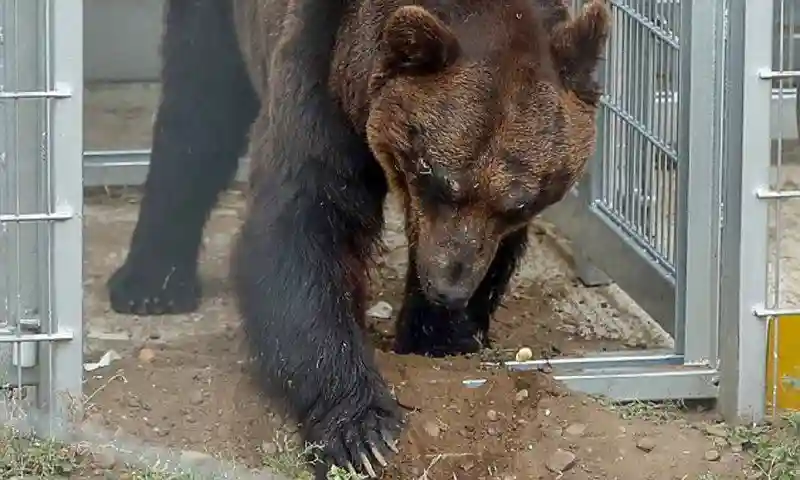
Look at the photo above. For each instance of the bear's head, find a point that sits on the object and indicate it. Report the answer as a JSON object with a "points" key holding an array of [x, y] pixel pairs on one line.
{"points": [[481, 121]]}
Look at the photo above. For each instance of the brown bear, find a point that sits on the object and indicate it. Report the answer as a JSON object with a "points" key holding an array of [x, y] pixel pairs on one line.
{"points": [[478, 114]]}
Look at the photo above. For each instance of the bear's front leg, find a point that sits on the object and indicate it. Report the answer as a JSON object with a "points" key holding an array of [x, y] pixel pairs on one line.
{"points": [[206, 108], [299, 270], [425, 328]]}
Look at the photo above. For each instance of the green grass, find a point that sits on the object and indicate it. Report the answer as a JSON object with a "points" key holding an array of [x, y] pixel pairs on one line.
{"points": [[23, 456], [774, 448]]}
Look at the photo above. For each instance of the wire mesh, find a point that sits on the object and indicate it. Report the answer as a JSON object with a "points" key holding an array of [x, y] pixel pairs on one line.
{"points": [[27, 202], [639, 122]]}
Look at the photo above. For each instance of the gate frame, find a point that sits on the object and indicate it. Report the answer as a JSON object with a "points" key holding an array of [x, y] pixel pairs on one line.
{"points": [[58, 326], [744, 346], [684, 305]]}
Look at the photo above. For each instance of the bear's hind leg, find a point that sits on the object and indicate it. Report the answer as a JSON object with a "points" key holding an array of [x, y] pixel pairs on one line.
{"points": [[425, 328], [200, 129]]}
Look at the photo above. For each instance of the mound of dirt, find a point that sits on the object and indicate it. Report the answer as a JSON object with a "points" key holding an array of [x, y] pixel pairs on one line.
{"points": [[198, 396], [465, 430]]}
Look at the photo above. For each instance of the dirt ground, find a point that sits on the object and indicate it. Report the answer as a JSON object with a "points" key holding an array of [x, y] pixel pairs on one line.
{"points": [[179, 381]]}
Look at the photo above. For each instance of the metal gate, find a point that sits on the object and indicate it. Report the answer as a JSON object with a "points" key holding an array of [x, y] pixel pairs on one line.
{"points": [[41, 200], [632, 185], [630, 219]]}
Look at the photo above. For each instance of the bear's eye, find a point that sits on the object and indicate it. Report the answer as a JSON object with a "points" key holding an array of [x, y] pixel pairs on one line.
{"points": [[518, 212]]}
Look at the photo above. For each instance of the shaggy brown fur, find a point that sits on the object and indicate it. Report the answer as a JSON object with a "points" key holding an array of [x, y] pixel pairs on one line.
{"points": [[480, 112], [477, 113]]}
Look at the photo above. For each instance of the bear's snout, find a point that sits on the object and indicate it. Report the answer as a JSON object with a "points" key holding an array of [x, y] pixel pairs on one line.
{"points": [[452, 287], [450, 272]]}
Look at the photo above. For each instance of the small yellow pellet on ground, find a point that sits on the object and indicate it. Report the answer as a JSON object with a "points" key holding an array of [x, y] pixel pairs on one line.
{"points": [[524, 354]]}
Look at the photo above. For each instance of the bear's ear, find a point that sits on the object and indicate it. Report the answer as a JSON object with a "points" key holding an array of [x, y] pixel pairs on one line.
{"points": [[578, 44], [415, 42]]}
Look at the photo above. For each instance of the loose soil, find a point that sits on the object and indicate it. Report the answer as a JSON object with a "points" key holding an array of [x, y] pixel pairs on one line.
{"points": [[184, 385]]}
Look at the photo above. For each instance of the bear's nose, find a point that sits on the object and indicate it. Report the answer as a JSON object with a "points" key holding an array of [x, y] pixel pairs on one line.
{"points": [[452, 295]]}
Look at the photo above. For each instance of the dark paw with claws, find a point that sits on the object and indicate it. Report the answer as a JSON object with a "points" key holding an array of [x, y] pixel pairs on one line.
{"points": [[153, 290], [358, 438]]}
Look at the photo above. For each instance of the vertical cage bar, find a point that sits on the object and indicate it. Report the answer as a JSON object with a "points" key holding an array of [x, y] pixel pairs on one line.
{"points": [[62, 361], [698, 221], [743, 336]]}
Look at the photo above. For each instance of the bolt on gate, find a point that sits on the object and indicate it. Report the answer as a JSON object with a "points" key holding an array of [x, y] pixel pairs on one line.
{"points": [[41, 198]]}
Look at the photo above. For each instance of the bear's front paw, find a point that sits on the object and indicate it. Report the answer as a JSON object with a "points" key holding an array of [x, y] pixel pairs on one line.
{"points": [[153, 290], [358, 437]]}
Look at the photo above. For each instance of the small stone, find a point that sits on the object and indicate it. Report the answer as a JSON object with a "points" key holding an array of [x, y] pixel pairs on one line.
{"points": [[196, 397], [524, 354], [711, 455], [380, 310], [575, 430], [432, 429], [646, 444], [720, 443], [521, 395], [736, 448], [717, 431], [104, 459], [146, 355], [555, 432], [561, 461], [194, 457], [269, 448], [492, 415]]}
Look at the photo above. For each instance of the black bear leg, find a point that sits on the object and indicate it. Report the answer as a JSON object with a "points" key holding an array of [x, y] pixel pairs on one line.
{"points": [[207, 106], [300, 270], [424, 328], [300, 262]]}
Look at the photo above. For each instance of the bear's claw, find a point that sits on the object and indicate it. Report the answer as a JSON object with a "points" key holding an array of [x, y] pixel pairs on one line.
{"points": [[361, 444]]}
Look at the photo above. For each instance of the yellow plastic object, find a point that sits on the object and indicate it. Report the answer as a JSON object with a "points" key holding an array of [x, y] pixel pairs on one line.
{"points": [[787, 396]]}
